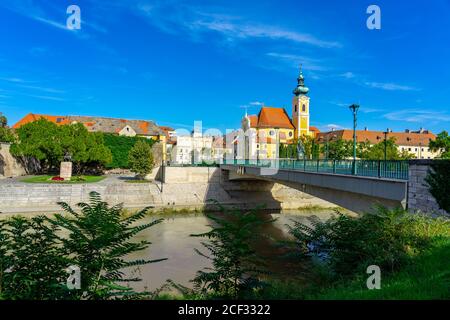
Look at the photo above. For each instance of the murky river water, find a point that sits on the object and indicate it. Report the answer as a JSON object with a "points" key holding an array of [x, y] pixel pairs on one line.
{"points": [[171, 239]]}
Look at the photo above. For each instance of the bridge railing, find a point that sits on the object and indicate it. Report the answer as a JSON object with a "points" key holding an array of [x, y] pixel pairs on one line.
{"points": [[367, 168]]}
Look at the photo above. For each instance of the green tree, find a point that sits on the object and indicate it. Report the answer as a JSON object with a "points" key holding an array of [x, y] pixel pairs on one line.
{"points": [[339, 149], [442, 142], [120, 147], [48, 143], [376, 151], [438, 182], [140, 159], [87, 149], [3, 121], [6, 135], [235, 265]]}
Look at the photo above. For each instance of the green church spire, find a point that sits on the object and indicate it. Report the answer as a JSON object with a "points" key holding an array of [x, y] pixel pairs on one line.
{"points": [[301, 89]]}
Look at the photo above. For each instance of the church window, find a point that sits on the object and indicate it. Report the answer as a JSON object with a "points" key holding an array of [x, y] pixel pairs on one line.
{"points": [[295, 108], [304, 108], [290, 133], [271, 132]]}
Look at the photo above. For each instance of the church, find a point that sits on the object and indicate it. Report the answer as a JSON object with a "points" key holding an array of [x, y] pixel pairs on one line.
{"points": [[273, 126]]}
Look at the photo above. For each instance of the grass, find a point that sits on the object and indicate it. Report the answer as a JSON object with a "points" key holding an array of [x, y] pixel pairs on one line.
{"points": [[427, 276], [47, 179]]}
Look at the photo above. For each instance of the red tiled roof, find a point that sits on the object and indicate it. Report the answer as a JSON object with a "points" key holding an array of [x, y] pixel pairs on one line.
{"points": [[97, 124], [374, 137], [274, 118]]}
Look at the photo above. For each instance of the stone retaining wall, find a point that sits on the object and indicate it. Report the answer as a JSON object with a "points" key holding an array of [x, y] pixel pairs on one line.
{"points": [[189, 189], [419, 197], [9, 167]]}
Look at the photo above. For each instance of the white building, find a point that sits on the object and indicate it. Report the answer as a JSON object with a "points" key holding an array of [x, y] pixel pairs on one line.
{"points": [[193, 149]]}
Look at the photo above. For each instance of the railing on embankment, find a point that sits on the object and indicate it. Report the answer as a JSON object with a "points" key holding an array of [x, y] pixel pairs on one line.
{"points": [[365, 168]]}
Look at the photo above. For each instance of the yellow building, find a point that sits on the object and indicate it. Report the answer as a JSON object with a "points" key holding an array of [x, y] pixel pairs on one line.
{"points": [[272, 126]]}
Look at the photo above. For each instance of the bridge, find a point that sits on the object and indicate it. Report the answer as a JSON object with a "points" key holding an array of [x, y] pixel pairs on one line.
{"points": [[354, 185]]}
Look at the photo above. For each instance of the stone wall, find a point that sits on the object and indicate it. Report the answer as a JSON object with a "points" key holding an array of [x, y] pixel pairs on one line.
{"points": [[419, 197], [9, 166], [184, 188]]}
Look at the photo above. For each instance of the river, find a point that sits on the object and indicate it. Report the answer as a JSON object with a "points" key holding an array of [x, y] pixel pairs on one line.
{"points": [[171, 239]]}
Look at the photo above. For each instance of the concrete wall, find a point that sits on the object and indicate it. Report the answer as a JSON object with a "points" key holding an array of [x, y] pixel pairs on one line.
{"points": [[419, 198], [9, 166], [192, 175]]}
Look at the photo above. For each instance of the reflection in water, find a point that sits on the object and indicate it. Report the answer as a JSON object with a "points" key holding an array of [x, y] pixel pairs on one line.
{"points": [[171, 239]]}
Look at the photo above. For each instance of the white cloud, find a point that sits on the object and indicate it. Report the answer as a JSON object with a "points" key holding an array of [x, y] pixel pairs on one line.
{"points": [[256, 103], [390, 86], [47, 98], [174, 18], [348, 75], [415, 115]]}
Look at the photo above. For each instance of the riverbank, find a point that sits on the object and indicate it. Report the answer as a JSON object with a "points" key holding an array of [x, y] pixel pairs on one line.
{"points": [[178, 195]]}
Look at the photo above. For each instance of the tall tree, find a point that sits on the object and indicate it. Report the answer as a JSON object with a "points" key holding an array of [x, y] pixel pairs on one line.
{"points": [[140, 159], [48, 143], [442, 142]]}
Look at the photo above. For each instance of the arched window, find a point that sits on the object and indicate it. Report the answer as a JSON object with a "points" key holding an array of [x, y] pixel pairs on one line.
{"points": [[304, 108], [295, 108]]}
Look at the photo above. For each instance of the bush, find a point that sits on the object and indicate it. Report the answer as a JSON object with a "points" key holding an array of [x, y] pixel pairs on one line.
{"points": [[35, 253], [438, 182], [120, 147], [386, 238], [140, 159], [235, 265], [32, 263]]}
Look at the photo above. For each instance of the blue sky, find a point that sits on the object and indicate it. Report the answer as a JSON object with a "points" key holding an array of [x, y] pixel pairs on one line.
{"points": [[180, 61]]}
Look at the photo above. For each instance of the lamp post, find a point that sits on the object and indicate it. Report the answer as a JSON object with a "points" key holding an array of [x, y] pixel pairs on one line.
{"points": [[354, 108], [385, 143]]}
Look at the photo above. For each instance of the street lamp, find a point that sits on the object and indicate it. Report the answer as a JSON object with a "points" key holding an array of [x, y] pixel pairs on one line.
{"points": [[354, 108], [385, 143]]}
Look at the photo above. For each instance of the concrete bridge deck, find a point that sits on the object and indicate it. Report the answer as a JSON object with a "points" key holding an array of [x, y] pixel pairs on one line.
{"points": [[356, 193]]}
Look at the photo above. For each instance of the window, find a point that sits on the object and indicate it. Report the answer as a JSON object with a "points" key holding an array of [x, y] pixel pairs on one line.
{"points": [[295, 108], [272, 133], [304, 108], [409, 149], [290, 133]]}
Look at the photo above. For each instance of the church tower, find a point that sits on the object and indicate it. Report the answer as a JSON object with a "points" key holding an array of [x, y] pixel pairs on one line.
{"points": [[300, 107]]}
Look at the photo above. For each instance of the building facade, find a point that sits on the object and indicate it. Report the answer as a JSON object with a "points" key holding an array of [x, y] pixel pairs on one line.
{"points": [[262, 133], [413, 142]]}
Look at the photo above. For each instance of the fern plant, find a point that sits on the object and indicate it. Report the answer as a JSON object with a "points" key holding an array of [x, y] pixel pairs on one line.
{"points": [[99, 241], [236, 268]]}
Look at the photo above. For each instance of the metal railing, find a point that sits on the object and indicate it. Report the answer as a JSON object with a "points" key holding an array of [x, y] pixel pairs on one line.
{"points": [[366, 168]]}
